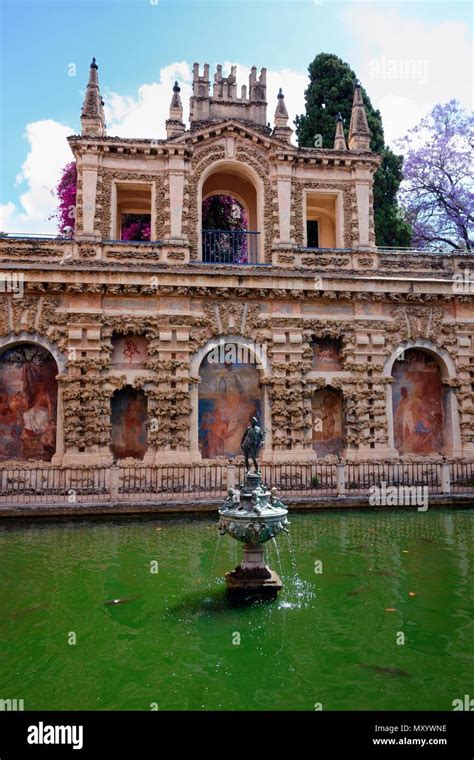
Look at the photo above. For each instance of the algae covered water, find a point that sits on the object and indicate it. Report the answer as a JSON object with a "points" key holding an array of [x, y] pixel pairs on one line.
{"points": [[132, 614]]}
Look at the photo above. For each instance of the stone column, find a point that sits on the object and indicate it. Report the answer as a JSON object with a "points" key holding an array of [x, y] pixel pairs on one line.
{"points": [[88, 169], [362, 195], [194, 424], [284, 203], [176, 185], [363, 182], [59, 453]]}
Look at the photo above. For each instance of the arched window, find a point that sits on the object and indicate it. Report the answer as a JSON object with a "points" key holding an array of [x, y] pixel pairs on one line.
{"points": [[28, 403]]}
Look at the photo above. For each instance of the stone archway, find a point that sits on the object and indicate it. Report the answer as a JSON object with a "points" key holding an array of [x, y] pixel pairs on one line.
{"points": [[422, 412], [234, 179], [230, 391], [29, 402]]}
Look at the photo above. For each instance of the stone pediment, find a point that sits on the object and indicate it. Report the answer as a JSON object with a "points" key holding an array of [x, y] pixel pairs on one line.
{"points": [[231, 127]]}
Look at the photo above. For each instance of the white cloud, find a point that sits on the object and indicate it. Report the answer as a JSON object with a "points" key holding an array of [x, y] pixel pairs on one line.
{"points": [[408, 64], [145, 115], [48, 153]]}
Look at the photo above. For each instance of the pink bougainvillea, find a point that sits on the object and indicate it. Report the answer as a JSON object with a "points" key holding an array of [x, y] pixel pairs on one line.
{"points": [[65, 191], [222, 212], [136, 227]]}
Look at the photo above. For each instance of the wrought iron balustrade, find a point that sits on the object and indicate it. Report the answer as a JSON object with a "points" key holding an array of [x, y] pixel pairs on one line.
{"points": [[230, 246]]}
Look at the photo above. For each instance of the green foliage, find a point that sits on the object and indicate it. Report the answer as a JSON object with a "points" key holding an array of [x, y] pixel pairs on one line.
{"points": [[331, 90]]}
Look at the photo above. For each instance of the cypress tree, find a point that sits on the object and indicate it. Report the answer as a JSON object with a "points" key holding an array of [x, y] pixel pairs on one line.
{"points": [[330, 90]]}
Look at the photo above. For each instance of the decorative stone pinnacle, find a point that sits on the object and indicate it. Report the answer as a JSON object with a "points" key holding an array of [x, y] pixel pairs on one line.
{"points": [[359, 132], [339, 138], [92, 114], [174, 124], [282, 131]]}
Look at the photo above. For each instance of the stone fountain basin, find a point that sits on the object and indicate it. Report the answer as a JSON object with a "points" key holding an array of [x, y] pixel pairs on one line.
{"points": [[251, 526]]}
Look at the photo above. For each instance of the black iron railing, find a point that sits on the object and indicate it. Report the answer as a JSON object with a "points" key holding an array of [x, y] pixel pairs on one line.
{"points": [[230, 247]]}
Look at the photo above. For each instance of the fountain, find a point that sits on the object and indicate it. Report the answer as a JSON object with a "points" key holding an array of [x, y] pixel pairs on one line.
{"points": [[252, 514]]}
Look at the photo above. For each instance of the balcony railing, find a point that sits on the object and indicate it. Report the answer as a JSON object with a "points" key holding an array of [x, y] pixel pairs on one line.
{"points": [[229, 247]]}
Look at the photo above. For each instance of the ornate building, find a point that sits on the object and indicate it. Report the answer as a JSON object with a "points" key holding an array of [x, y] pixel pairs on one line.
{"points": [[160, 349]]}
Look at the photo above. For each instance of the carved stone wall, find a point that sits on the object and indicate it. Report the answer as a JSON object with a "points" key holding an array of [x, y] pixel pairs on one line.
{"points": [[89, 380], [202, 158], [259, 162], [103, 211], [350, 226]]}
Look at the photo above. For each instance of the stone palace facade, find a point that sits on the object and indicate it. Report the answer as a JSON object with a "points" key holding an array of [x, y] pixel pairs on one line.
{"points": [[161, 350]]}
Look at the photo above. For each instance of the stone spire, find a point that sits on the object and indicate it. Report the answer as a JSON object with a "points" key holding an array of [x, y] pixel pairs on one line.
{"points": [[339, 138], [359, 132], [281, 130], [92, 114], [175, 125]]}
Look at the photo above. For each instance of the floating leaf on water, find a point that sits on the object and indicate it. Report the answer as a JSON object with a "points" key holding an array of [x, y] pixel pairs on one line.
{"points": [[387, 669], [358, 590], [125, 599], [26, 610], [411, 593], [390, 609]]}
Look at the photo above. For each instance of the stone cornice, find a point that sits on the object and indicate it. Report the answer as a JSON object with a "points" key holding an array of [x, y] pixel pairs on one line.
{"points": [[184, 144]]}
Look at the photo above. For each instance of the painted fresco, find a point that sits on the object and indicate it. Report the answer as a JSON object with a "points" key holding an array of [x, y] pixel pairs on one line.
{"points": [[129, 351], [28, 403], [417, 396], [328, 422], [129, 416], [229, 394], [327, 355]]}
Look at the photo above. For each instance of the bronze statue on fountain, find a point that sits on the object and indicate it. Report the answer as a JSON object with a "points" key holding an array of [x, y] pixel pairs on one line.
{"points": [[252, 514]]}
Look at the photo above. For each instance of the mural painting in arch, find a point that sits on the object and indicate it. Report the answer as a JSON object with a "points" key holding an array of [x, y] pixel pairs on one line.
{"points": [[28, 403], [327, 355], [328, 421], [417, 398], [129, 351], [229, 394], [129, 416]]}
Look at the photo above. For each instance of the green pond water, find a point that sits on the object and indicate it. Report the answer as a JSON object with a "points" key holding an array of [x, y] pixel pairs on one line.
{"points": [[327, 639]]}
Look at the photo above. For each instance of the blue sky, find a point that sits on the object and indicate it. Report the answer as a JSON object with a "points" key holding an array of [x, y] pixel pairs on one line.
{"points": [[141, 45]]}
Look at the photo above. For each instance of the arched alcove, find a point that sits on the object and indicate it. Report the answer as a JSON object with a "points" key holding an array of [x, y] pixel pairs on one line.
{"points": [[422, 411], [128, 423], [229, 393], [328, 421], [28, 402], [233, 246]]}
